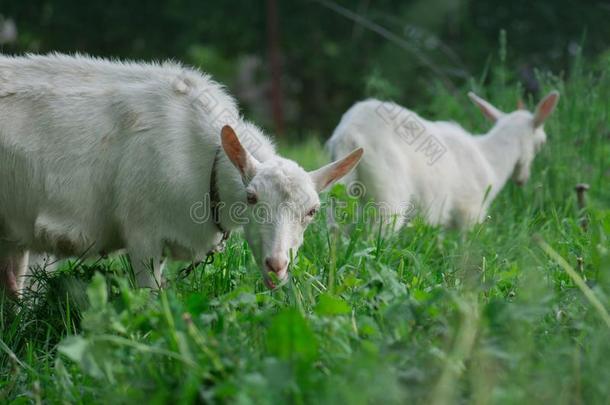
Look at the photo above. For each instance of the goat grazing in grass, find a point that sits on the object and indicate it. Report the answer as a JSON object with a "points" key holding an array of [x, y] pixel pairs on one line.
{"points": [[97, 156], [447, 174]]}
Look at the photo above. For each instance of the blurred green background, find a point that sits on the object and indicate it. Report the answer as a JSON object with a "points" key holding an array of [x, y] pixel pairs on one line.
{"points": [[327, 54]]}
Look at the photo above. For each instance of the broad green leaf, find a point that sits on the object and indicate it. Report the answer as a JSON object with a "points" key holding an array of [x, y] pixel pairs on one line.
{"points": [[74, 347], [331, 305], [290, 337]]}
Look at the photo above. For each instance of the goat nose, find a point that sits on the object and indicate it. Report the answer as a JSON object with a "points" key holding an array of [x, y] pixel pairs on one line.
{"points": [[275, 264]]}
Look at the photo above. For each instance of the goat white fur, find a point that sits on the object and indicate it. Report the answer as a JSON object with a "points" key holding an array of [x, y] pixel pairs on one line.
{"points": [[98, 155], [446, 173]]}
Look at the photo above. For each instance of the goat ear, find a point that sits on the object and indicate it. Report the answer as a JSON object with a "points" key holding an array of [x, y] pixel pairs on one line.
{"points": [[491, 112], [327, 175], [240, 157], [545, 108]]}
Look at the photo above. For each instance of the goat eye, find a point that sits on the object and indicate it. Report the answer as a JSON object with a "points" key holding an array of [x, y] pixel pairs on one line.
{"points": [[312, 212], [251, 198]]}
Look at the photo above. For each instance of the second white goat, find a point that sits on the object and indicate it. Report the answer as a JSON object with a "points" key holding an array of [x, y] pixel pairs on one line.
{"points": [[437, 167]]}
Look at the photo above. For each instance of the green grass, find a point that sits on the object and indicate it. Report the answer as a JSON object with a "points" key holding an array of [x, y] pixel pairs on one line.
{"points": [[426, 316]]}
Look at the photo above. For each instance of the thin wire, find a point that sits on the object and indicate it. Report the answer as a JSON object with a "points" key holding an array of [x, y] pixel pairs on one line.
{"points": [[390, 36]]}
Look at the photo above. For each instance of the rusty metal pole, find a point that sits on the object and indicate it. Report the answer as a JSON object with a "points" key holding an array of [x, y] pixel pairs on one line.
{"points": [[275, 66], [581, 190]]}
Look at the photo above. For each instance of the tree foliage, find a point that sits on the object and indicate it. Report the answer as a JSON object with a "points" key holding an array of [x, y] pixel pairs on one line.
{"points": [[332, 52]]}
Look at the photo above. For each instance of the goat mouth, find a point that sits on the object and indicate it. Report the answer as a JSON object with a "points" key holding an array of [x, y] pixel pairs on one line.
{"points": [[270, 284], [273, 281]]}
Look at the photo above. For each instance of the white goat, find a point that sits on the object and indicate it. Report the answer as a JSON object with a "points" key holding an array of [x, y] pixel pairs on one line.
{"points": [[439, 168], [97, 156]]}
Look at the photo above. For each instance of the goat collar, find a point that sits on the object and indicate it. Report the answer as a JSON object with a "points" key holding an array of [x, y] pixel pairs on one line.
{"points": [[215, 203]]}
